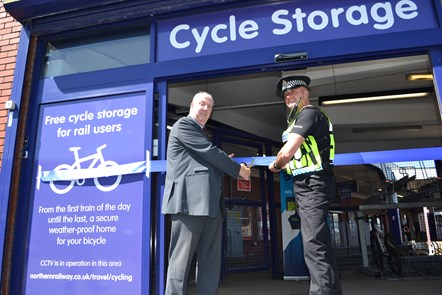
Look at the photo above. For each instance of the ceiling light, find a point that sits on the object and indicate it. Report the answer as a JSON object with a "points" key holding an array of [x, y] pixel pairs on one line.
{"points": [[375, 96], [420, 77], [378, 129], [237, 106]]}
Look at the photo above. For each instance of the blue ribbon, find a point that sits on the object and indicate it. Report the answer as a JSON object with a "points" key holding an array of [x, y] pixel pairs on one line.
{"points": [[160, 165]]}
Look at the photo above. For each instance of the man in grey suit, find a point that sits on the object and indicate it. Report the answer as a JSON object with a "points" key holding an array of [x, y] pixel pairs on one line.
{"points": [[193, 197]]}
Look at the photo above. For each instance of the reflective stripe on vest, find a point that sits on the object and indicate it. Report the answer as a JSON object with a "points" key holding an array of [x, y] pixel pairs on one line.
{"points": [[308, 158]]}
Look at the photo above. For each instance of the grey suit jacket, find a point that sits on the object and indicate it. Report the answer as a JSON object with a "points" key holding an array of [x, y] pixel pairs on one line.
{"points": [[194, 174]]}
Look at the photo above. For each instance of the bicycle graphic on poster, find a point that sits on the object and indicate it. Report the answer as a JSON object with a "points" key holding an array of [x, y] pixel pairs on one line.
{"points": [[105, 183]]}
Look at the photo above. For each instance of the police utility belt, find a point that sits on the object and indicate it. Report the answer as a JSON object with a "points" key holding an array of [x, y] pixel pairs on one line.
{"points": [[308, 158]]}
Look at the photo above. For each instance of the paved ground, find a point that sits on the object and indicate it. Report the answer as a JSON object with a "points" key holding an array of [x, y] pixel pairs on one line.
{"points": [[354, 282]]}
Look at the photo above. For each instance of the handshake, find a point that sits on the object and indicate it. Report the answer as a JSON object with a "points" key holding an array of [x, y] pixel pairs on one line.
{"points": [[245, 171]]}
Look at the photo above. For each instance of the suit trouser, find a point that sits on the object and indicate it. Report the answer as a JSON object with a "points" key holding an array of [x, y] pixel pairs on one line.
{"points": [[314, 193], [189, 235]]}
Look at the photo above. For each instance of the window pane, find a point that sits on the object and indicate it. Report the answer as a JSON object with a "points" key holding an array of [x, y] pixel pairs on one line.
{"points": [[98, 52]]}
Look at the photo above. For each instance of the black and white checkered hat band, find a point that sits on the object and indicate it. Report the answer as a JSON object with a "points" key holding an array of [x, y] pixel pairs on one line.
{"points": [[291, 84]]}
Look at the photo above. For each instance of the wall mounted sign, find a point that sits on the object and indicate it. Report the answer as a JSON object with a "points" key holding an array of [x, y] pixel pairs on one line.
{"points": [[86, 222], [290, 22]]}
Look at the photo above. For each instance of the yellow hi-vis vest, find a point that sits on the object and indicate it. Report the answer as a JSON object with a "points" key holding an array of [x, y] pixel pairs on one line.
{"points": [[308, 157]]}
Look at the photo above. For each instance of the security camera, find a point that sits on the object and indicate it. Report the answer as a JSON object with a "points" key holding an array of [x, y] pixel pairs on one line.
{"points": [[290, 56]]}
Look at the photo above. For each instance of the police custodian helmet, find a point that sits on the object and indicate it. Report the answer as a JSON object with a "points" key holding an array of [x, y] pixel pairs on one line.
{"points": [[291, 82]]}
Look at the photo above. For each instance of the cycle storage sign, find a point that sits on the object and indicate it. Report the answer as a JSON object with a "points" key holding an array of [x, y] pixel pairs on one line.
{"points": [[86, 223]]}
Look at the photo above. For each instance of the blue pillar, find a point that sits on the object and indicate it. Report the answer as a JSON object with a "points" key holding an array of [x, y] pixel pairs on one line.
{"points": [[395, 221], [436, 61]]}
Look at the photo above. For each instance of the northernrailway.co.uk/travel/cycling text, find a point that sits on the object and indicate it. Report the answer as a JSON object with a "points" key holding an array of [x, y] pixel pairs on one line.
{"points": [[83, 277]]}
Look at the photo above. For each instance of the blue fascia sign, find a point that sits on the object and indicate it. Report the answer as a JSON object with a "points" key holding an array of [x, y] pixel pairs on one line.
{"points": [[287, 23]]}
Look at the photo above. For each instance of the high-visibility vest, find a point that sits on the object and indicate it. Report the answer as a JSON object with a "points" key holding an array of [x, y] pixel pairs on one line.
{"points": [[308, 157]]}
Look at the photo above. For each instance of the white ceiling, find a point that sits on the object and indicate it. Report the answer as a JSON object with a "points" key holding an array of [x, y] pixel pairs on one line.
{"points": [[250, 103]]}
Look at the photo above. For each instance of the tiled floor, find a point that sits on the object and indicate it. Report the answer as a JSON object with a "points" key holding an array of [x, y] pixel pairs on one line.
{"points": [[354, 282]]}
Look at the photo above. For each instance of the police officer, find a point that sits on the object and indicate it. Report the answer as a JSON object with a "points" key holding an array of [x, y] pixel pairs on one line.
{"points": [[308, 154]]}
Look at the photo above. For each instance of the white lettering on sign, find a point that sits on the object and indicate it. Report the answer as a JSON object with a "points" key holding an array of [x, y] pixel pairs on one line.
{"points": [[380, 16], [173, 37], [220, 33]]}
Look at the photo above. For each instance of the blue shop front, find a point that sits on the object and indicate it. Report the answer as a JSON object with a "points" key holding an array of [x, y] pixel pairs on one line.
{"points": [[95, 85]]}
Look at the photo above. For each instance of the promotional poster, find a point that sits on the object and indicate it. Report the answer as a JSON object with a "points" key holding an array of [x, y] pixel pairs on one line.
{"points": [[293, 252], [86, 222]]}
